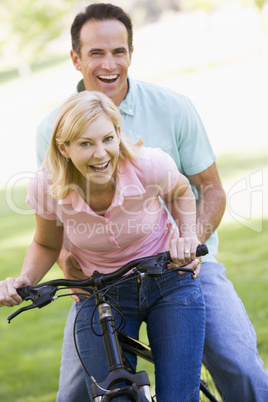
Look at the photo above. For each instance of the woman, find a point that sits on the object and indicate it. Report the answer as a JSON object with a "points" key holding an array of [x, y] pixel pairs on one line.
{"points": [[101, 197]]}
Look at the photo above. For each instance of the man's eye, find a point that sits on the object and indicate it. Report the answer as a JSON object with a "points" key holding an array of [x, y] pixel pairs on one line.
{"points": [[120, 51], [96, 53]]}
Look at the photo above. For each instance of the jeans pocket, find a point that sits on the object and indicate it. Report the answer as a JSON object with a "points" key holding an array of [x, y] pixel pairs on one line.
{"points": [[182, 290]]}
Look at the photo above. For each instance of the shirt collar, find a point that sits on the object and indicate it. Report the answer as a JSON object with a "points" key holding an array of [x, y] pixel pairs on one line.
{"points": [[77, 202], [127, 105], [80, 86], [128, 184]]}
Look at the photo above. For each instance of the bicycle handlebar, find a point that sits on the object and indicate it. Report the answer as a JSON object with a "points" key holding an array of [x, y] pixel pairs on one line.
{"points": [[44, 293]]}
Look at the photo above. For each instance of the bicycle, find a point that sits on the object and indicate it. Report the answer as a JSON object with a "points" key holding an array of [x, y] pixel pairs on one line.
{"points": [[122, 380]]}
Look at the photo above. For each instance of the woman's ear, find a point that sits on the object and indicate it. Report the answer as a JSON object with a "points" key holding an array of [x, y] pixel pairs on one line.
{"points": [[62, 149], [118, 132]]}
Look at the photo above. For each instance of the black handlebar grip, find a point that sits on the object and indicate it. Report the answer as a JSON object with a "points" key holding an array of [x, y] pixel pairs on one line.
{"points": [[201, 250], [23, 292]]}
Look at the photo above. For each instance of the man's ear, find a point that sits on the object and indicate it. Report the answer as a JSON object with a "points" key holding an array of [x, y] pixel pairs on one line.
{"points": [[130, 54], [76, 60]]}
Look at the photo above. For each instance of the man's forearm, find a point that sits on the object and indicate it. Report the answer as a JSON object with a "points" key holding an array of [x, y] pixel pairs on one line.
{"points": [[69, 265], [210, 210]]}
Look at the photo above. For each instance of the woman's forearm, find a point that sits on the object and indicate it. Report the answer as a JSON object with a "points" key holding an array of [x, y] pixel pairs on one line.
{"points": [[38, 261]]}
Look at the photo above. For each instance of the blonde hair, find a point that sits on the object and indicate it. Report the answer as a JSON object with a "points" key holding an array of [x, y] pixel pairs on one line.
{"points": [[73, 118]]}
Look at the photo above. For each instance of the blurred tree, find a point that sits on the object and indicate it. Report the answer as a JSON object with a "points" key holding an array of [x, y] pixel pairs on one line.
{"points": [[209, 5], [27, 26], [143, 11], [260, 3], [205, 5]]}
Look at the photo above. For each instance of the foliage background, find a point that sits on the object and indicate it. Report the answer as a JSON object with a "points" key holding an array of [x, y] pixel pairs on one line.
{"points": [[28, 27]]}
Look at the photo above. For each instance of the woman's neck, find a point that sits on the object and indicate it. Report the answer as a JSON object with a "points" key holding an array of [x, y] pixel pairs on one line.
{"points": [[98, 197]]}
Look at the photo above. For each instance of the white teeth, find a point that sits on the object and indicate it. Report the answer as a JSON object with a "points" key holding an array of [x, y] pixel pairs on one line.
{"points": [[100, 166], [108, 77]]}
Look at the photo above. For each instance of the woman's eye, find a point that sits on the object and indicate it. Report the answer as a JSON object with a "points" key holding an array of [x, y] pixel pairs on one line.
{"points": [[110, 138], [85, 144]]}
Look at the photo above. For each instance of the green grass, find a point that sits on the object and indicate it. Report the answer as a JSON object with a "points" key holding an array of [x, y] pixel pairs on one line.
{"points": [[30, 346], [245, 256], [242, 163], [243, 251]]}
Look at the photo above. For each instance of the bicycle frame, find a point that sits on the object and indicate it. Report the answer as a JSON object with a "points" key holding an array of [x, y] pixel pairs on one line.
{"points": [[137, 385]]}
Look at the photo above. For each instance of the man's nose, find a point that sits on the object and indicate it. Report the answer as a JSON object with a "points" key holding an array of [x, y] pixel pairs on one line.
{"points": [[108, 62]]}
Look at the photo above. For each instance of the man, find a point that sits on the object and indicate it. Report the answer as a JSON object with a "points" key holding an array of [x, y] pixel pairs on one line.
{"points": [[102, 51]]}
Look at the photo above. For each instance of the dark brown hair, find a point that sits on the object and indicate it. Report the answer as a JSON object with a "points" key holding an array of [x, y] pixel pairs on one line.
{"points": [[100, 11]]}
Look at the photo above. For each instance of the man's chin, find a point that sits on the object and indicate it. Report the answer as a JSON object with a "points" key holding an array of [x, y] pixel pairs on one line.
{"points": [[113, 91]]}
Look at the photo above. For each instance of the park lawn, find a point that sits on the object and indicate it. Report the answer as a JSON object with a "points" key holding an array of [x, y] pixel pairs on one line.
{"points": [[243, 250], [30, 346], [245, 256]]}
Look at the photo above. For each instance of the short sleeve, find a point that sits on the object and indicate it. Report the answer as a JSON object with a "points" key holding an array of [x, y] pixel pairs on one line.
{"points": [[160, 169], [38, 198], [193, 144], [43, 136]]}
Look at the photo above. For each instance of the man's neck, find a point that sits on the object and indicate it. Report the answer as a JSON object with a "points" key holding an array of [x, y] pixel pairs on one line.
{"points": [[81, 87]]}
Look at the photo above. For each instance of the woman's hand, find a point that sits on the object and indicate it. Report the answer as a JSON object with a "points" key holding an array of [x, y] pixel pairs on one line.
{"points": [[8, 291], [182, 251]]}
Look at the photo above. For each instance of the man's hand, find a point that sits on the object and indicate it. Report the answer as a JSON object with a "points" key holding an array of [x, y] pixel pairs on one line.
{"points": [[71, 270]]}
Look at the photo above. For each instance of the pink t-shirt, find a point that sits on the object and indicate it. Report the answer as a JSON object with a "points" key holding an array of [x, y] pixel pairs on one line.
{"points": [[135, 225]]}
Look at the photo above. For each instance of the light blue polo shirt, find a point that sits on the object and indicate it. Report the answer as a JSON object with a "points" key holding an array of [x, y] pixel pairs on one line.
{"points": [[164, 119]]}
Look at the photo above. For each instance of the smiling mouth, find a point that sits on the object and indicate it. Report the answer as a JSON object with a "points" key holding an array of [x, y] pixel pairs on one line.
{"points": [[108, 79], [101, 167]]}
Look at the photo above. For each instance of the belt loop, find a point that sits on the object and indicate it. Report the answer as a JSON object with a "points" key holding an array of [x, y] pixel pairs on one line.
{"points": [[139, 281]]}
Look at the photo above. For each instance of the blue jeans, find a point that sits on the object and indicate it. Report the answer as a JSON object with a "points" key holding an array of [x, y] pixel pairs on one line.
{"points": [[173, 308], [230, 346], [230, 351]]}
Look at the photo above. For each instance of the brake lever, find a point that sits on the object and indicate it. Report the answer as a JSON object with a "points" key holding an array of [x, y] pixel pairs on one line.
{"points": [[40, 297], [17, 312], [154, 266], [158, 266]]}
